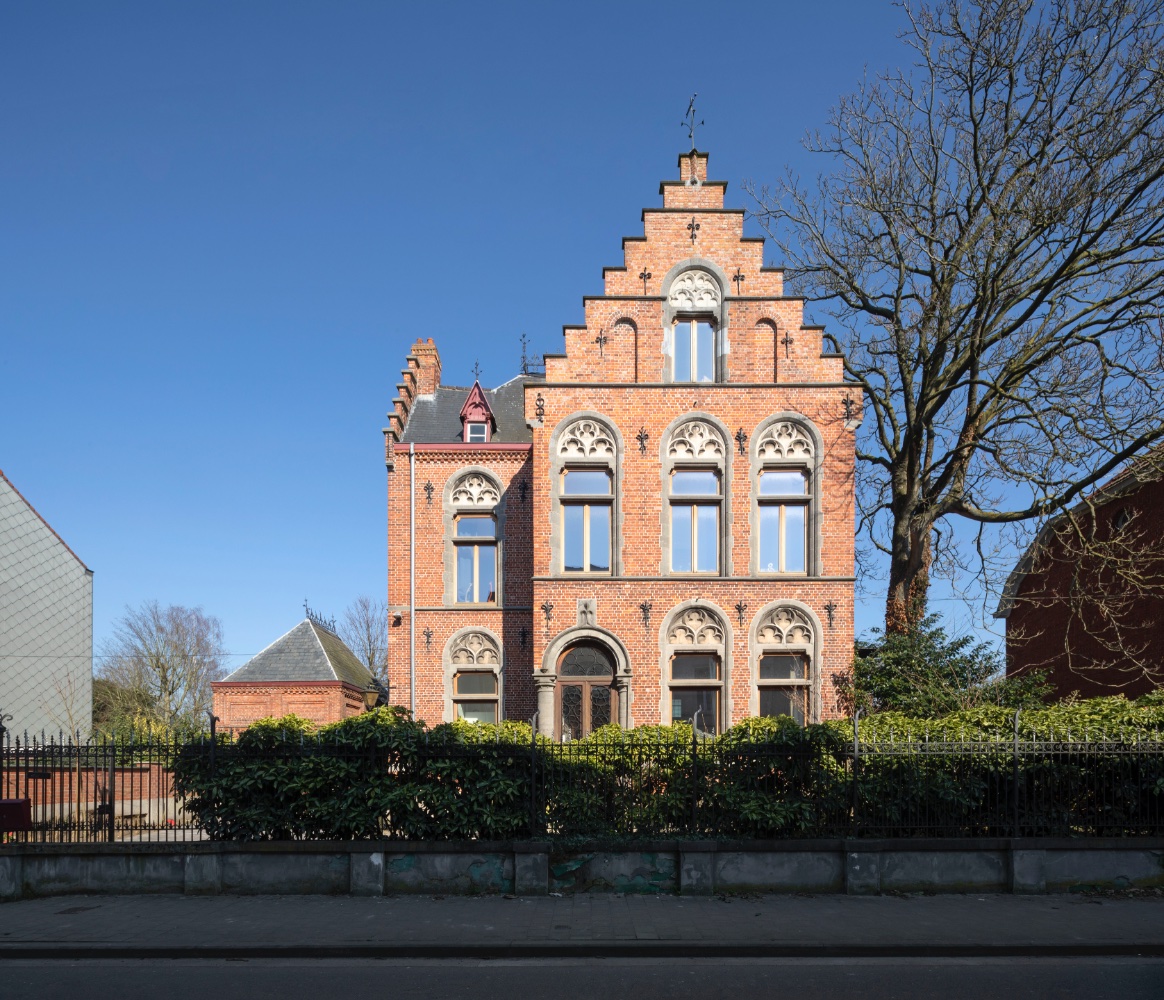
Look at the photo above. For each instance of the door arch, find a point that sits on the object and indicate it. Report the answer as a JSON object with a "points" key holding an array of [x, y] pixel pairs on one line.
{"points": [[586, 697]]}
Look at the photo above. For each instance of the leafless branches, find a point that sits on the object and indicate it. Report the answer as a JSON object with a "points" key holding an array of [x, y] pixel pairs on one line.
{"points": [[991, 243], [364, 630]]}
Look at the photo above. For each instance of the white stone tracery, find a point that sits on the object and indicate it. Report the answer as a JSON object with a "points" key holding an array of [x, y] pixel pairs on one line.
{"points": [[785, 441], [696, 627], [586, 438], [475, 649], [785, 626], [696, 440], [694, 291], [475, 490]]}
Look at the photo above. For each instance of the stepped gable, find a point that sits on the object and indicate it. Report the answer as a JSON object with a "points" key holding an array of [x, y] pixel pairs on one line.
{"points": [[306, 653]]}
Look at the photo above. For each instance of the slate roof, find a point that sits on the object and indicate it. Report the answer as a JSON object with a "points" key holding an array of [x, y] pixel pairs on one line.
{"points": [[306, 653], [436, 419]]}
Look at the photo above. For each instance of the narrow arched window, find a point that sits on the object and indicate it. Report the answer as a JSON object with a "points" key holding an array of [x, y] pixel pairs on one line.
{"points": [[784, 499], [585, 495], [473, 676], [695, 454], [694, 318], [784, 648], [696, 671], [474, 539]]}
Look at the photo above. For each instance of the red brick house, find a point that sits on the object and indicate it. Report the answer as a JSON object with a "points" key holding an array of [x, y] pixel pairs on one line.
{"points": [[1086, 600], [660, 524], [307, 672]]}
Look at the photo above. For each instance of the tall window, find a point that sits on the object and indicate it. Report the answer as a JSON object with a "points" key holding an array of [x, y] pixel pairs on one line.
{"points": [[784, 500], [694, 668], [473, 676], [587, 497], [695, 517], [695, 687], [475, 541], [694, 343], [783, 672]]}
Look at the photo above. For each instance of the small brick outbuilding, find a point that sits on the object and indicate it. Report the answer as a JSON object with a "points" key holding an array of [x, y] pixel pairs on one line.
{"points": [[307, 672]]}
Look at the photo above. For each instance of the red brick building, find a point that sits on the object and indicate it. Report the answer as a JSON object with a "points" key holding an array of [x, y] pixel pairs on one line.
{"points": [[661, 524], [1084, 601], [307, 672]]}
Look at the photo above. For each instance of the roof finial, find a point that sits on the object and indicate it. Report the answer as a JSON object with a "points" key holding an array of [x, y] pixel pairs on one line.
{"points": [[689, 121], [477, 370]]}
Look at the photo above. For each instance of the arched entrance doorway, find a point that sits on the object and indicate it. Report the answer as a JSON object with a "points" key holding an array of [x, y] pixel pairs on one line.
{"points": [[586, 695]]}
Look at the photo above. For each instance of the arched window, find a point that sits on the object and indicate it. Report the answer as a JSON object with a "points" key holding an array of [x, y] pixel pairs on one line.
{"points": [[473, 676], [584, 488], [694, 319], [784, 492], [784, 647], [473, 530], [695, 667], [695, 475]]}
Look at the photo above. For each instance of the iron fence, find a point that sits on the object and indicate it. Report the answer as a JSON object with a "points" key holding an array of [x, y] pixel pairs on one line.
{"points": [[301, 787]]}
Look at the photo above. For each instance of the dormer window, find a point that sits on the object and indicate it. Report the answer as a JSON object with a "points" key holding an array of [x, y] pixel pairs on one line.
{"points": [[476, 417]]}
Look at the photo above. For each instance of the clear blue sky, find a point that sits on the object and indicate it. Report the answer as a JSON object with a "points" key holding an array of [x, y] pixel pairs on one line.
{"points": [[222, 224]]}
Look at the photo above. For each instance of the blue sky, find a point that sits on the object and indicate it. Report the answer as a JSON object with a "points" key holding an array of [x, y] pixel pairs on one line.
{"points": [[222, 224]]}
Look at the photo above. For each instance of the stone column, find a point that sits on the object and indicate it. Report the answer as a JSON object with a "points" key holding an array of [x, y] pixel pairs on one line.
{"points": [[622, 685], [545, 693]]}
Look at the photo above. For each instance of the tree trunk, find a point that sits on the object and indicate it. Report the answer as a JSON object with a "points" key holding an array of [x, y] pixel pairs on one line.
{"points": [[909, 574]]}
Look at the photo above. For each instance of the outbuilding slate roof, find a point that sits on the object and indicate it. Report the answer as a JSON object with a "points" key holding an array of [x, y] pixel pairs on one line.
{"points": [[436, 419], [306, 653]]}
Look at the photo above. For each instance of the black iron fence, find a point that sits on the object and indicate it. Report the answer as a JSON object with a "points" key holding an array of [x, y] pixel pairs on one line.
{"points": [[306, 787]]}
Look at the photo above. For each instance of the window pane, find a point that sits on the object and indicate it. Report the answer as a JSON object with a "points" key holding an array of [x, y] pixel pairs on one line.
{"points": [[586, 660], [794, 539], [599, 538], [708, 535], [476, 682], [695, 483], [486, 573], [778, 483], [572, 559], [783, 701], [681, 538], [476, 432], [781, 668], [684, 702], [683, 351], [769, 538], [599, 706], [465, 573], [586, 482], [694, 667], [704, 353], [475, 527], [477, 711], [571, 712]]}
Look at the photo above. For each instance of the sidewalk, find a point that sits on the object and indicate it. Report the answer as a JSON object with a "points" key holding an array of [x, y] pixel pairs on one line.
{"points": [[585, 925]]}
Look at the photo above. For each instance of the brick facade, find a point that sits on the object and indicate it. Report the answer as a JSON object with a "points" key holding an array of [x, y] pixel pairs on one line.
{"points": [[238, 704], [773, 379]]}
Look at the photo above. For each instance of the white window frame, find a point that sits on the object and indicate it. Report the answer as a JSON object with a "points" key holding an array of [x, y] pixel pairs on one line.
{"points": [[476, 542], [472, 427], [586, 501]]}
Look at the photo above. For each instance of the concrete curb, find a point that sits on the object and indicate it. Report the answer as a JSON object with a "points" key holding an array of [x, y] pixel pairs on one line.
{"points": [[585, 949]]}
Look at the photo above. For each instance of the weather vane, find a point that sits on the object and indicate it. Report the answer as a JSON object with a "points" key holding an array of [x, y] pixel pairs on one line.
{"points": [[477, 371], [689, 121]]}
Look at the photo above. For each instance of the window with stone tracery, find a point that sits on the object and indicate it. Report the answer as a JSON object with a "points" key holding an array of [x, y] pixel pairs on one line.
{"points": [[783, 672], [784, 461], [695, 454], [585, 495], [474, 500]]}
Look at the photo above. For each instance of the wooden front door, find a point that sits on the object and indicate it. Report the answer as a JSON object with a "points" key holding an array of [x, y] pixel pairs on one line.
{"points": [[586, 698]]}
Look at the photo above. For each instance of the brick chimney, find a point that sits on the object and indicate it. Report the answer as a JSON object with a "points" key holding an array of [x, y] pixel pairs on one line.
{"points": [[426, 361], [693, 166]]}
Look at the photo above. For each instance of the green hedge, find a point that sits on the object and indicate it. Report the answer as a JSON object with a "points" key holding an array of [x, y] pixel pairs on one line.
{"points": [[382, 774]]}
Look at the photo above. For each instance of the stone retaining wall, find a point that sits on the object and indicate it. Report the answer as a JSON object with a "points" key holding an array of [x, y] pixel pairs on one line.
{"points": [[372, 868]]}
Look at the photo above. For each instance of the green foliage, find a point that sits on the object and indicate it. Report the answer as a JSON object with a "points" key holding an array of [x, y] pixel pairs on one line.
{"points": [[382, 774], [925, 672]]}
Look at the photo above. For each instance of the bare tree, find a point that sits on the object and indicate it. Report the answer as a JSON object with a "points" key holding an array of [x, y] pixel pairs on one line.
{"points": [[161, 661], [364, 630], [991, 243]]}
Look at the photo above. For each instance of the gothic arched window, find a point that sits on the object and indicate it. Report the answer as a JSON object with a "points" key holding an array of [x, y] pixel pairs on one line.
{"points": [[784, 498], [585, 490], [695, 466]]}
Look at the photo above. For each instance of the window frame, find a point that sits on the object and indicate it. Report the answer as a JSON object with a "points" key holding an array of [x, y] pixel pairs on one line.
{"points": [[697, 684], [782, 502], [473, 698], [586, 501], [692, 501], [803, 684], [693, 320], [476, 543], [484, 430]]}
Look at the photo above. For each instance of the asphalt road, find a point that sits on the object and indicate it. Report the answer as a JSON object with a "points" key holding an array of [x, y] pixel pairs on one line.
{"points": [[586, 979]]}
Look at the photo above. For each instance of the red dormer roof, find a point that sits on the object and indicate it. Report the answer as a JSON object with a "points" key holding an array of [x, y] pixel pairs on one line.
{"points": [[476, 409]]}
